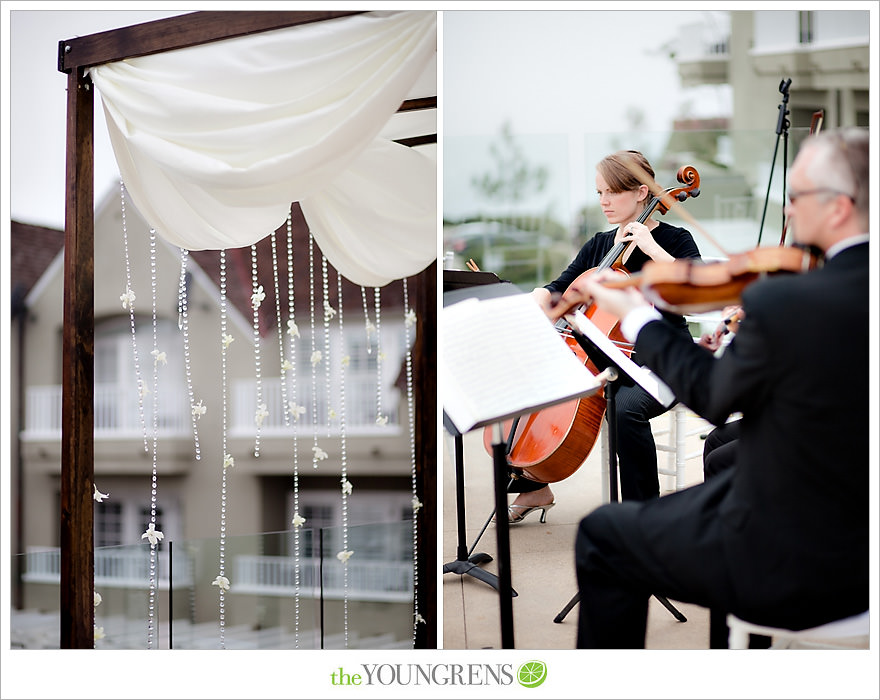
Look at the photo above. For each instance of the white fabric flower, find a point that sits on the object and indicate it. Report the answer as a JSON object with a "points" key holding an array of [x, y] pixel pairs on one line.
{"points": [[227, 340], [257, 297], [319, 453], [329, 311], [221, 582], [159, 357], [298, 520], [295, 411], [344, 556], [199, 409], [410, 318], [127, 298], [261, 414], [382, 420], [98, 599], [346, 486], [416, 504], [346, 361], [316, 357], [99, 633], [287, 365], [292, 328], [153, 535], [419, 619], [228, 461], [98, 496]]}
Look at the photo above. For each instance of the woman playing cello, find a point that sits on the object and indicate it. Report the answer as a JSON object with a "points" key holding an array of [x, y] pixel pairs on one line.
{"points": [[622, 197]]}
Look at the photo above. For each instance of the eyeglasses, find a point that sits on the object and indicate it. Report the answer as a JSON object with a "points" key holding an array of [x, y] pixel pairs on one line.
{"points": [[793, 195]]}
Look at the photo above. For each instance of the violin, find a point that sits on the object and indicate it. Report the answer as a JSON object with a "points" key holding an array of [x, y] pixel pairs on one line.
{"points": [[692, 287]]}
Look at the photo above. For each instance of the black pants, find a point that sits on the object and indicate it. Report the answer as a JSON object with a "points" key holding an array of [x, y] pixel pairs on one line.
{"points": [[719, 450], [636, 449], [625, 552]]}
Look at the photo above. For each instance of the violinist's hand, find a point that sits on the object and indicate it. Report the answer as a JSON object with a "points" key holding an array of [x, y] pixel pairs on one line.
{"points": [[618, 302]]}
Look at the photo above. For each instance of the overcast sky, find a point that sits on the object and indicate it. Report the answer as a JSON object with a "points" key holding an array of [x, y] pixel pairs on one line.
{"points": [[35, 95], [566, 82], [545, 71]]}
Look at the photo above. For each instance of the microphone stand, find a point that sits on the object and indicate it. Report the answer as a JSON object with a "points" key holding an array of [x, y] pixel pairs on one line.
{"points": [[782, 125]]}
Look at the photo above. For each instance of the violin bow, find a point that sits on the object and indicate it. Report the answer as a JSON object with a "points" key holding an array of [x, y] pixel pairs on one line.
{"points": [[670, 202]]}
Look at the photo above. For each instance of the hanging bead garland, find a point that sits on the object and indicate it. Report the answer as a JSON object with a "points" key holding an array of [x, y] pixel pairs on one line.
{"points": [[197, 410], [381, 419], [257, 298], [228, 461], [409, 321], [346, 486], [329, 312], [317, 452], [152, 534], [128, 298], [294, 410]]}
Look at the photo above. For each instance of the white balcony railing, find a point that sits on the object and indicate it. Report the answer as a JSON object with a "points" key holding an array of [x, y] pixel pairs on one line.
{"points": [[360, 406], [117, 412], [114, 568], [387, 581], [373, 580]]}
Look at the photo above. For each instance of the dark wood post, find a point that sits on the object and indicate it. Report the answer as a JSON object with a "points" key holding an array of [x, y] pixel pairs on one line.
{"points": [[425, 393], [77, 376]]}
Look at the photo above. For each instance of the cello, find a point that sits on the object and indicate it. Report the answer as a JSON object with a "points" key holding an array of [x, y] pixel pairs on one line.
{"points": [[551, 444]]}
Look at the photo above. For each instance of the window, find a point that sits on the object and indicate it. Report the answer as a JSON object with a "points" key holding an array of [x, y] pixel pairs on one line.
{"points": [[117, 399]]}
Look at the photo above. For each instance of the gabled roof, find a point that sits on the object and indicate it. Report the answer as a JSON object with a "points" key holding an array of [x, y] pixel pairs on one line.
{"points": [[32, 250]]}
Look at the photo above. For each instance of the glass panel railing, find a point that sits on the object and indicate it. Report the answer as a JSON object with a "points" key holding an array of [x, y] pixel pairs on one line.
{"points": [[527, 228], [287, 590]]}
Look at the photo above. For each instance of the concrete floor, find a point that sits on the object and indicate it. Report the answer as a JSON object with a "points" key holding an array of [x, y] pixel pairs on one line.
{"points": [[542, 556]]}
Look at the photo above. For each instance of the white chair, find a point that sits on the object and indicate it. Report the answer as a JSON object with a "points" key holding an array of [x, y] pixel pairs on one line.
{"points": [[848, 633], [676, 448]]}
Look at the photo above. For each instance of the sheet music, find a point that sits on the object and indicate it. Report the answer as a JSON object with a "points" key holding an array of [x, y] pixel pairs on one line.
{"points": [[643, 376], [502, 357]]}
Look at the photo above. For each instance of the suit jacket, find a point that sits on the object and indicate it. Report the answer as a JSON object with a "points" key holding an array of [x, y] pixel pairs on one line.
{"points": [[792, 518]]}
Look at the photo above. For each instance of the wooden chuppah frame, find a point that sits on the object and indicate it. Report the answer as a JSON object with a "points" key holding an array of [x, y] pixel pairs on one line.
{"points": [[75, 57]]}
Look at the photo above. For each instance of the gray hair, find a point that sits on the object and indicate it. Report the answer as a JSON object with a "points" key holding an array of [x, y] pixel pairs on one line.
{"points": [[840, 162]]}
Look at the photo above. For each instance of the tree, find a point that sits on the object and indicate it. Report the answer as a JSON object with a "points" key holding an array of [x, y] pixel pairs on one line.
{"points": [[514, 176]]}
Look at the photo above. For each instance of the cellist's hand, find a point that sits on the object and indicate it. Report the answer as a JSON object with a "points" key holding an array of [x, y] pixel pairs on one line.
{"points": [[618, 302]]}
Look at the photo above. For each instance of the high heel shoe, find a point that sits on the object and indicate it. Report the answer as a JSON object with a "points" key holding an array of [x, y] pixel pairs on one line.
{"points": [[516, 514]]}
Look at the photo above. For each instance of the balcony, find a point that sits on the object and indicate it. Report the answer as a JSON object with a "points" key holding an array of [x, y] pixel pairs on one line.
{"points": [[119, 414], [286, 590]]}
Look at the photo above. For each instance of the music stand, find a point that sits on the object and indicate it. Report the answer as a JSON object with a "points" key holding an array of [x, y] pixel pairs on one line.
{"points": [[624, 373], [458, 285], [483, 391]]}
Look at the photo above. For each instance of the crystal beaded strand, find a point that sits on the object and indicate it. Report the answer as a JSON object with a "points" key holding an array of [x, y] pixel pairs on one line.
{"points": [[256, 298], [155, 413], [183, 325], [328, 314], [129, 301], [280, 330], [292, 332], [316, 356], [409, 320], [368, 327], [380, 418], [343, 459], [227, 458]]}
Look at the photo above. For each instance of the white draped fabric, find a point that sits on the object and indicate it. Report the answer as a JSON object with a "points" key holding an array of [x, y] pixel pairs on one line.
{"points": [[214, 142]]}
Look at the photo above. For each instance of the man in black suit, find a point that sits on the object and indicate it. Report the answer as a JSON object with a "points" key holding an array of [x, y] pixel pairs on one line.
{"points": [[782, 539]]}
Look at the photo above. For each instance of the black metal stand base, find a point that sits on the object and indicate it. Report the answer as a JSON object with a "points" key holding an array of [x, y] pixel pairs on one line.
{"points": [[577, 597]]}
